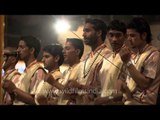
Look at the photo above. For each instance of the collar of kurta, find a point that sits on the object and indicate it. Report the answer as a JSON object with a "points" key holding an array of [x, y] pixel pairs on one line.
{"points": [[31, 64], [73, 66], [92, 53], [144, 49]]}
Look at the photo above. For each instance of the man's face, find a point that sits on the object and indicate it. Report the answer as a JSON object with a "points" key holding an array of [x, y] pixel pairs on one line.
{"points": [[134, 38], [48, 60], [8, 58], [23, 50], [89, 34], [116, 39], [69, 52]]}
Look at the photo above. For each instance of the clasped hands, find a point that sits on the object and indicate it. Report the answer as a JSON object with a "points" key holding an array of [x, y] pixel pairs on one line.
{"points": [[9, 86]]}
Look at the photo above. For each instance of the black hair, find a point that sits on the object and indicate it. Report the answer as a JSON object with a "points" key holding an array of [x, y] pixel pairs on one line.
{"points": [[32, 42], [55, 50], [78, 44], [141, 26], [117, 25], [98, 25]]}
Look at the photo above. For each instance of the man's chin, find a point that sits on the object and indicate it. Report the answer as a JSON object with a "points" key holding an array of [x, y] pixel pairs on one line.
{"points": [[20, 59], [133, 47], [86, 42]]}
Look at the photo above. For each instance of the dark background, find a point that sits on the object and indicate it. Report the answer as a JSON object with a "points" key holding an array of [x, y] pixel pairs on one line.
{"points": [[40, 26]]}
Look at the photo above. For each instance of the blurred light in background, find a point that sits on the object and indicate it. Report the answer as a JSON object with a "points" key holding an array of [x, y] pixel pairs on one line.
{"points": [[61, 26]]}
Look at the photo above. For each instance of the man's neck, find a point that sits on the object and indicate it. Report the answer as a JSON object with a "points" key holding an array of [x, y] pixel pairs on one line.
{"points": [[96, 45], [71, 64], [116, 50], [141, 47], [93, 48], [29, 61], [56, 67]]}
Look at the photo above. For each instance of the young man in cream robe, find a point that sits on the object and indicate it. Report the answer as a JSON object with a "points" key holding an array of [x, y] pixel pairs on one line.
{"points": [[47, 93], [143, 68], [94, 33], [112, 66], [24, 92], [73, 51]]}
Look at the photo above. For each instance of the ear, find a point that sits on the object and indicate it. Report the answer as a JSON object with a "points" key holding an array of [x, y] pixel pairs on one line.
{"points": [[144, 35], [57, 58], [32, 50], [78, 52], [125, 38], [99, 33]]}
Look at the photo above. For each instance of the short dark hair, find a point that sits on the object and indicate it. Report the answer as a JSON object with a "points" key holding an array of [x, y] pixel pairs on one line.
{"points": [[55, 50], [98, 25], [32, 42], [141, 26], [117, 25], [78, 44]]}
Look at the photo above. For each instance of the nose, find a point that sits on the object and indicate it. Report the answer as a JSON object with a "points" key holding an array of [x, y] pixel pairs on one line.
{"points": [[42, 60], [18, 49], [129, 37], [63, 51], [83, 34], [114, 39]]}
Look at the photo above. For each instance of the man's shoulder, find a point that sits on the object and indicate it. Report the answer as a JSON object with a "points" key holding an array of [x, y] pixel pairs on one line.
{"points": [[38, 67]]}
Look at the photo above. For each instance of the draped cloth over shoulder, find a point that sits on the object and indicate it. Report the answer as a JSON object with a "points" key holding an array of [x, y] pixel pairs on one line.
{"points": [[149, 95], [27, 83]]}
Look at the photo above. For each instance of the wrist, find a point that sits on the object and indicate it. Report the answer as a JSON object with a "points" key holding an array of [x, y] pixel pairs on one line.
{"points": [[129, 63], [11, 90], [13, 94], [80, 86]]}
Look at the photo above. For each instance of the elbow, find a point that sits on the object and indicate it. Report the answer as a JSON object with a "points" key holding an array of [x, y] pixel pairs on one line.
{"points": [[146, 84]]}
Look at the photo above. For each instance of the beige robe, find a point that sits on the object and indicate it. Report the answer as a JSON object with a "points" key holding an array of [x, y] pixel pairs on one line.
{"points": [[72, 73], [89, 73], [12, 75], [148, 96], [109, 74], [90, 63], [26, 84], [47, 90]]}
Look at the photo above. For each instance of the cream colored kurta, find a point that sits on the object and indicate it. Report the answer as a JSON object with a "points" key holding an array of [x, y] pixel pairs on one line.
{"points": [[148, 64], [109, 74], [30, 79], [47, 90], [89, 72], [12, 75], [90, 63], [72, 73]]}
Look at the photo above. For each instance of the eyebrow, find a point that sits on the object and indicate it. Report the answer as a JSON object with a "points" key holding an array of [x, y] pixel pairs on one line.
{"points": [[115, 32]]}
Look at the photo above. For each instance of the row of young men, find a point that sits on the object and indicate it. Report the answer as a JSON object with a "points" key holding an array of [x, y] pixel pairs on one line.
{"points": [[126, 74]]}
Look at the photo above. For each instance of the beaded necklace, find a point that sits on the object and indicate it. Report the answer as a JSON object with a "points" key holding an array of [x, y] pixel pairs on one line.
{"points": [[85, 73]]}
